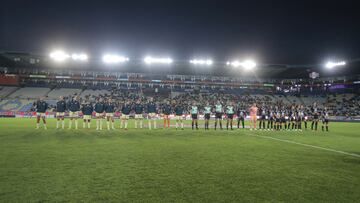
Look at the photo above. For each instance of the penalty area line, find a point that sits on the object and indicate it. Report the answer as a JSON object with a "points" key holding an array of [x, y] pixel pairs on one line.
{"points": [[312, 146]]}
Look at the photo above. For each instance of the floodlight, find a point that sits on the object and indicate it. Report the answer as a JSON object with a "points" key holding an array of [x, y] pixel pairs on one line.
{"points": [[150, 60], [112, 58], [201, 62], [247, 64], [59, 56], [79, 57], [331, 64]]}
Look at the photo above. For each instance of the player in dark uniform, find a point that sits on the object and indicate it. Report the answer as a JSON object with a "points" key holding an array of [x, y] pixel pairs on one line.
{"points": [[278, 119], [270, 118], [292, 118], [230, 115], [167, 109], [151, 111], [325, 119], [99, 113], [240, 113], [41, 107], [87, 110], [262, 118], [207, 113], [283, 119], [60, 112], [315, 115], [125, 113], [74, 108], [179, 112], [218, 114], [109, 112], [139, 110]]}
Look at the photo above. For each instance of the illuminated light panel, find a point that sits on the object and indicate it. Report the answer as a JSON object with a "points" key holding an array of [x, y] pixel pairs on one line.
{"points": [[59, 56], [112, 58], [334, 64], [150, 60], [201, 62]]}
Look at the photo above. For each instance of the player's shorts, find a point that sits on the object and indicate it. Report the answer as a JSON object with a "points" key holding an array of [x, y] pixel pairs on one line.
{"points": [[38, 114], [138, 116], [207, 116], [263, 117], [325, 120], [253, 117], [194, 116], [151, 115], [230, 116], [241, 118], [87, 117], [292, 119], [316, 117], [60, 114], [166, 116], [109, 114], [99, 114], [218, 115], [271, 118], [73, 114], [178, 117], [299, 119], [125, 116], [277, 120], [283, 120]]}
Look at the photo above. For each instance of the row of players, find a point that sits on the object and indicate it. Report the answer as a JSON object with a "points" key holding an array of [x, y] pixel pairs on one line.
{"points": [[269, 118]]}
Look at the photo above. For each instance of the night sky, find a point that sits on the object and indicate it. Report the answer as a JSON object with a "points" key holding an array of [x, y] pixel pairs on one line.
{"points": [[292, 32]]}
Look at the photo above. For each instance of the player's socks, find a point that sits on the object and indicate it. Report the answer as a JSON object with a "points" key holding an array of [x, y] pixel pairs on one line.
{"points": [[196, 125], [182, 125], [312, 125], [316, 124], [141, 124], [112, 126], [154, 124], [327, 128], [45, 126], [126, 124], [57, 124], [215, 124], [88, 124], [37, 125], [149, 124], [84, 124], [62, 124], [70, 124], [76, 124], [192, 125], [97, 124], [100, 121], [176, 125], [108, 125], [322, 128]]}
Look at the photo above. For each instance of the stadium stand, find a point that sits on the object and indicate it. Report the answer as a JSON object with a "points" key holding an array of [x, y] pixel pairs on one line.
{"points": [[30, 93], [56, 93]]}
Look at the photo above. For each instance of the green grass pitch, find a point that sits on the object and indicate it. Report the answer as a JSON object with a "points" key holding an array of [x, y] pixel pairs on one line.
{"points": [[177, 166]]}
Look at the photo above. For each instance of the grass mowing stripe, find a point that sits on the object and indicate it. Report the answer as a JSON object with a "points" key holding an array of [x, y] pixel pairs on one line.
{"points": [[312, 146]]}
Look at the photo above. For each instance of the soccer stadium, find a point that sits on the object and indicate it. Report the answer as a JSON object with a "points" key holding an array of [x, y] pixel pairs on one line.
{"points": [[83, 126]]}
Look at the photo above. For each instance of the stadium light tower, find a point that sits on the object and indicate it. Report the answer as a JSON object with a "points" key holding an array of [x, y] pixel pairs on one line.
{"points": [[331, 64], [59, 56], [112, 58], [207, 62], [150, 60], [79, 57]]}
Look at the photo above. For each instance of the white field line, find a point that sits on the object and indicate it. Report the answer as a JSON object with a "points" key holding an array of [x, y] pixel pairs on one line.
{"points": [[312, 146]]}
